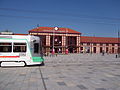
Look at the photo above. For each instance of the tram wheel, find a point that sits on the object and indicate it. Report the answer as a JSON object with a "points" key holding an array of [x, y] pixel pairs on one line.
{"points": [[0, 64], [42, 64]]}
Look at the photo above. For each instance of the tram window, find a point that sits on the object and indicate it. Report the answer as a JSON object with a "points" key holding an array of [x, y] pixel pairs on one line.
{"points": [[5, 47], [19, 47], [36, 48]]}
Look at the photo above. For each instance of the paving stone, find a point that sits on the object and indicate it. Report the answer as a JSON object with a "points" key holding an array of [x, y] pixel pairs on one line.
{"points": [[1, 82], [22, 74], [90, 68], [46, 78], [100, 89], [61, 83], [86, 77], [62, 77], [65, 72], [117, 75], [82, 87], [10, 83], [103, 79], [90, 72], [33, 72]]}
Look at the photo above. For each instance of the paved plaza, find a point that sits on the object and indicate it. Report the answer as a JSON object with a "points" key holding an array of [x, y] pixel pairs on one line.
{"points": [[65, 72]]}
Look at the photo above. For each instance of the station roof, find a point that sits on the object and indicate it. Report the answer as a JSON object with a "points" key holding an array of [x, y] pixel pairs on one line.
{"points": [[50, 30], [87, 39]]}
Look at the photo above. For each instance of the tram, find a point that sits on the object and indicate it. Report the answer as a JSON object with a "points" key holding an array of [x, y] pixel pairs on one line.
{"points": [[20, 50]]}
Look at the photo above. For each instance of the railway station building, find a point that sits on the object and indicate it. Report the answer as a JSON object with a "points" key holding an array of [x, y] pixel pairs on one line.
{"points": [[66, 40]]}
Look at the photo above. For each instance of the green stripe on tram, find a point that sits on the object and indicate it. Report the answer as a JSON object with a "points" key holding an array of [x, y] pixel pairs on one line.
{"points": [[37, 59]]}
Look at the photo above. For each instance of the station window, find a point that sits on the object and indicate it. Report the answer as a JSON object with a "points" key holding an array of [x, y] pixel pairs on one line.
{"points": [[5, 47], [94, 44], [101, 44], [113, 44], [107, 44], [88, 43], [81, 43], [19, 47], [36, 48]]}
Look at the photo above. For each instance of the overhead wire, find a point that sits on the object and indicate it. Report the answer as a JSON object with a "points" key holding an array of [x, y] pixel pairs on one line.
{"points": [[61, 13], [45, 18], [75, 16]]}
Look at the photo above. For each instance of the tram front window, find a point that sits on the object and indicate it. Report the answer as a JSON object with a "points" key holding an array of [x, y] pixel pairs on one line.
{"points": [[36, 48]]}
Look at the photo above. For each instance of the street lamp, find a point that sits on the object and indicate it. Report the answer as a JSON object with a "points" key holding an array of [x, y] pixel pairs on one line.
{"points": [[66, 51], [59, 50], [91, 46], [118, 44], [55, 29]]}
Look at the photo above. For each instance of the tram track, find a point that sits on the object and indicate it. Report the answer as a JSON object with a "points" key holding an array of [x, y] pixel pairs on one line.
{"points": [[44, 85]]}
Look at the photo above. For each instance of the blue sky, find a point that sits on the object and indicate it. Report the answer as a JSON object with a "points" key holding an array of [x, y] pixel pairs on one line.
{"points": [[90, 17]]}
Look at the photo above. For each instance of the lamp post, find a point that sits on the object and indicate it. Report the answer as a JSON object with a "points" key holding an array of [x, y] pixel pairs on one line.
{"points": [[66, 51], [91, 46], [59, 50], [118, 44], [55, 29]]}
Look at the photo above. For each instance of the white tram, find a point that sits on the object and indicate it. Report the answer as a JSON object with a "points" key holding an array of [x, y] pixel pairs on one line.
{"points": [[20, 50]]}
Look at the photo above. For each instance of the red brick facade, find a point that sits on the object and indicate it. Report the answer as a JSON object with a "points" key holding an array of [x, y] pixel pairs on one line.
{"points": [[99, 44], [65, 39]]}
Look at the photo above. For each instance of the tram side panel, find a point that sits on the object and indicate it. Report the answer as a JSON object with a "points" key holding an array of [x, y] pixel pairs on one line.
{"points": [[21, 50]]}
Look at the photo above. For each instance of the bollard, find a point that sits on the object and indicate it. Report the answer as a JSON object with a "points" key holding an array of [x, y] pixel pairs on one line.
{"points": [[66, 52]]}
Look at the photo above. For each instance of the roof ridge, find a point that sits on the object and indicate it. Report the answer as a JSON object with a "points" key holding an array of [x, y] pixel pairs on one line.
{"points": [[42, 29]]}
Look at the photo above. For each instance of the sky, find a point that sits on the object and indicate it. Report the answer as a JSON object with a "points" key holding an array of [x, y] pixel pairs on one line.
{"points": [[100, 18]]}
